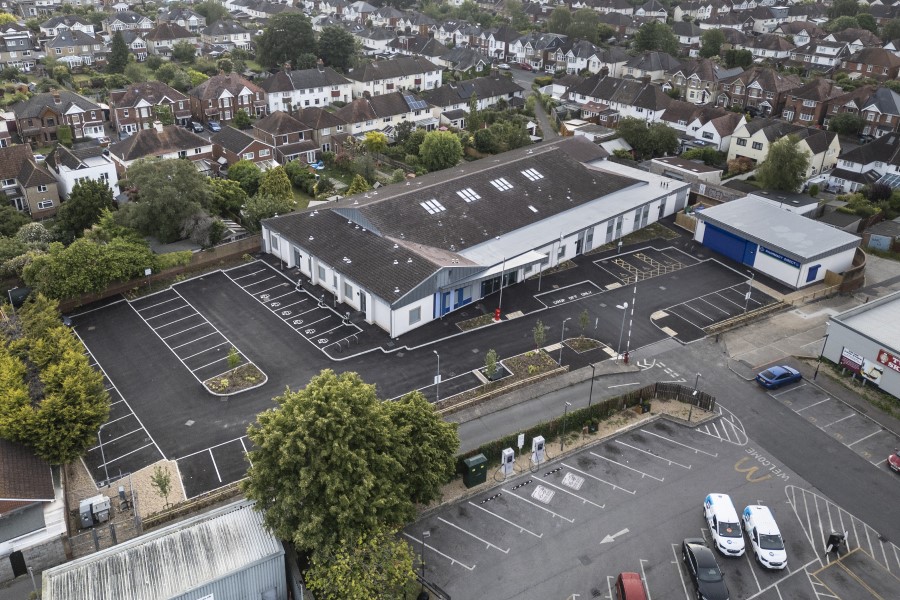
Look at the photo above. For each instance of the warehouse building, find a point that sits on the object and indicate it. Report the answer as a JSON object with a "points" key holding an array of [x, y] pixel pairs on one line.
{"points": [[408, 254], [225, 554], [774, 241], [866, 341]]}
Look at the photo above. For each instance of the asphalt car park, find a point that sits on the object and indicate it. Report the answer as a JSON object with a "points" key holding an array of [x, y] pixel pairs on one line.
{"points": [[644, 263], [566, 528], [846, 425]]}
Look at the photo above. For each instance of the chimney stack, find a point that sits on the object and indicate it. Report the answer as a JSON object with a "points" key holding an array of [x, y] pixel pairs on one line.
{"points": [[320, 64], [56, 98], [158, 126]]}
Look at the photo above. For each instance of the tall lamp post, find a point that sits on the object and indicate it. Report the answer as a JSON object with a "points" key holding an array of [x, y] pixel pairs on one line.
{"points": [[624, 309], [693, 398], [437, 379], [562, 338], [102, 454], [562, 438], [749, 290], [591, 393], [422, 594]]}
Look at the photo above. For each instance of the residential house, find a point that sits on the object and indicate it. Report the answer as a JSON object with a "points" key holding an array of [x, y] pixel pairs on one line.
{"points": [[287, 90], [183, 17], [291, 138], [454, 98], [415, 22], [800, 32], [359, 12], [759, 89], [126, 20], [418, 45], [652, 9], [753, 139], [398, 73], [52, 26], [819, 56], [497, 42], [5, 137], [688, 34], [768, 46], [538, 50], [766, 18], [374, 40], [221, 96], [136, 44], [808, 104], [135, 107], [382, 113], [226, 33], [76, 48], [387, 17], [17, 47], [695, 10], [170, 141], [816, 12], [459, 34], [867, 164], [615, 98], [613, 59], [621, 24], [856, 39], [231, 145], [578, 56], [38, 118], [877, 63], [604, 7], [161, 39], [652, 65], [27, 185], [464, 60], [880, 107], [708, 124], [329, 130], [726, 21], [84, 162], [698, 80]]}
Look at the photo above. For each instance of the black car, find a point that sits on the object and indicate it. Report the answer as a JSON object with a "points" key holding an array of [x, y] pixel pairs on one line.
{"points": [[704, 570], [196, 127]]}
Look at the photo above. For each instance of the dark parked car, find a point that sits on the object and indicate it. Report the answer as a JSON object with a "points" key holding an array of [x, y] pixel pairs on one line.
{"points": [[196, 127], [775, 377], [214, 126], [526, 67], [703, 570]]}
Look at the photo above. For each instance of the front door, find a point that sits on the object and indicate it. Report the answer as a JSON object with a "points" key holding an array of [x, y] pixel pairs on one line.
{"points": [[362, 301]]}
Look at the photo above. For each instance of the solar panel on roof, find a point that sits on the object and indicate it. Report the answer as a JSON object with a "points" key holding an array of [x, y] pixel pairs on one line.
{"points": [[413, 103]]}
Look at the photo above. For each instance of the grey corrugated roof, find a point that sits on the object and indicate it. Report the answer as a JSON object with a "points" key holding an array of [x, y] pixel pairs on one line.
{"points": [[786, 232], [876, 320], [168, 562]]}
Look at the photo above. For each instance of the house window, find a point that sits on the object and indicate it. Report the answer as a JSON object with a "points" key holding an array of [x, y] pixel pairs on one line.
{"points": [[757, 146], [806, 117], [248, 155], [321, 272], [198, 150], [45, 204], [809, 103], [741, 142], [9, 182], [870, 116], [789, 114], [124, 112], [707, 135], [348, 289], [59, 50], [415, 315], [42, 188], [263, 153], [182, 154]]}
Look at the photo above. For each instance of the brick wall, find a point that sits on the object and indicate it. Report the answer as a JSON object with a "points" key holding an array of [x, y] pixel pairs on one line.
{"points": [[40, 557]]}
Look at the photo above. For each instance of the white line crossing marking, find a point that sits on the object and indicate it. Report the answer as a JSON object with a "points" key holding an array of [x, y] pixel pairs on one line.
{"points": [[839, 420], [864, 438], [489, 545], [800, 410], [629, 468], [213, 458], [594, 477], [452, 560], [564, 490], [696, 450], [505, 520], [657, 456], [544, 508], [194, 340]]}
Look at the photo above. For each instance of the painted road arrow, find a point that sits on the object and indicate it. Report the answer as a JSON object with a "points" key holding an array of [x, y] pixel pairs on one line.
{"points": [[612, 538]]}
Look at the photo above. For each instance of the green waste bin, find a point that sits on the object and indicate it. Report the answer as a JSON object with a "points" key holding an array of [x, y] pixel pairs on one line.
{"points": [[476, 470]]}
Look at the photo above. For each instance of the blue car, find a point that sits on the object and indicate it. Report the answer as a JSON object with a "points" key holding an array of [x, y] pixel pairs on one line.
{"points": [[775, 377], [214, 126]]}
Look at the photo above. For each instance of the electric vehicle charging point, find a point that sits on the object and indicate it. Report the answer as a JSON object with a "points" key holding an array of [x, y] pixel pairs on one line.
{"points": [[537, 450], [507, 462]]}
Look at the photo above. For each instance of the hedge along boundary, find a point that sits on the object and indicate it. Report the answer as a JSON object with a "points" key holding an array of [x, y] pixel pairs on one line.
{"points": [[600, 411], [199, 260]]}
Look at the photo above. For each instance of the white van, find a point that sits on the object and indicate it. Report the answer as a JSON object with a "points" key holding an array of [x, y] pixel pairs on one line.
{"points": [[724, 524], [765, 538]]}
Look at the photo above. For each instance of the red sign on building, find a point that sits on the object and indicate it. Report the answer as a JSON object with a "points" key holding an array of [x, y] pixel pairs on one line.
{"points": [[889, 360]]}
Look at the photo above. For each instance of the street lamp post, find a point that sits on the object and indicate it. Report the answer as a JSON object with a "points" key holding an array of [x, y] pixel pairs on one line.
{"points": [[624, 309], [562, 338], [591, 393], [693, 398], [437, 379], [102, 454], [749, 290], [425, 534], [562, 438]]}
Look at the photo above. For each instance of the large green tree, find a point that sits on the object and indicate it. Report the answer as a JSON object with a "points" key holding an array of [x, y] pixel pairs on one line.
{"points": [[785, 167], [83, 208], [559, 20], [738, 58], [275, 182], [711, 43], [168, 192], [262, 206], [212, 11], [286, 38], [11, 220], [843, 8], [337, 47], [585, 25], [247, 174], [329, 464], [846, 123], [184, 52], [890, 30], [228, 197], [118, 54], [654, 35], [440, 150], [655, 140]]}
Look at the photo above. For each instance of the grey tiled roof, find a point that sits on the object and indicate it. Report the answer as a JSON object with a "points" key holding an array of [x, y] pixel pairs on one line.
{"points": [[318, 118], [151, 91], [232, 139], [23, 476], [32, 107], [149, 142], [280, 123], [302, 79], [398, 66], [483, 87]]}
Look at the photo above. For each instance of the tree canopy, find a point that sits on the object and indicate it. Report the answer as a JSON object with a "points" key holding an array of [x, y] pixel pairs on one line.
{"points": [[654, 35], [348, 472], [843, 8], [846, 123], [337, 47], [286, 38], [657, 139], [11, 219], [118, 54], [711, 43], [247, 174], [440, 150], [83, 208], [785, 167], [738, 58]]}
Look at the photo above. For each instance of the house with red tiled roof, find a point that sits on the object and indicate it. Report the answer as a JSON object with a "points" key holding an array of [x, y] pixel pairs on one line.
{"points": [[27, 184], [221, 96], [877, 63]]}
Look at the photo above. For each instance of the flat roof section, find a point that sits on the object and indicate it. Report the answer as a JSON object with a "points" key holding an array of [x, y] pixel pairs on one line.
{"points": [[793, 235], [877, 320]]}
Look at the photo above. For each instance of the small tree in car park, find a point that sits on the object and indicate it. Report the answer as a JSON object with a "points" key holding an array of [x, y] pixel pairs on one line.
{"points": [[161, 481], [584, 319], [540, 335], [234, 359], [490, 364]]}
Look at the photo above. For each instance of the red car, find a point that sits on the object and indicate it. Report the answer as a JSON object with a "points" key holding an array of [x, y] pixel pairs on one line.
{"points": [[893, 461], [526, 67]]}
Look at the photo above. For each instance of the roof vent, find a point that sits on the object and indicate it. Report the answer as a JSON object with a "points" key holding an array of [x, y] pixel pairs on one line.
{"points": [[395, 246], [409, 260], [311, 238], [396, 262], [396, 290]]}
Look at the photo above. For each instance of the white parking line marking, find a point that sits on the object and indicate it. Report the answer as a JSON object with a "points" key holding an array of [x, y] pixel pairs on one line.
{"points": [[97, 447], [246, 452], [707, 317], [247, 275], [194, 340], [703, 298], [782, 580], [594, 477], [864, 438], [185, 331], [270, 289], [800, 410], [109, 462], [160, 303], [516, 525], [330, 330], [168, 311], [678, 567], [583, 500], [210, 448], [209, 364], [750, 563], [788, 391], [213, 458], [696, 450], [671, 462], [515, 495], [155, 327], [281, 296], [644, 577], [838, 421], [452, 560], [207, 350], [258, 282], [489, 545], [630, 468], [280, 308]]}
